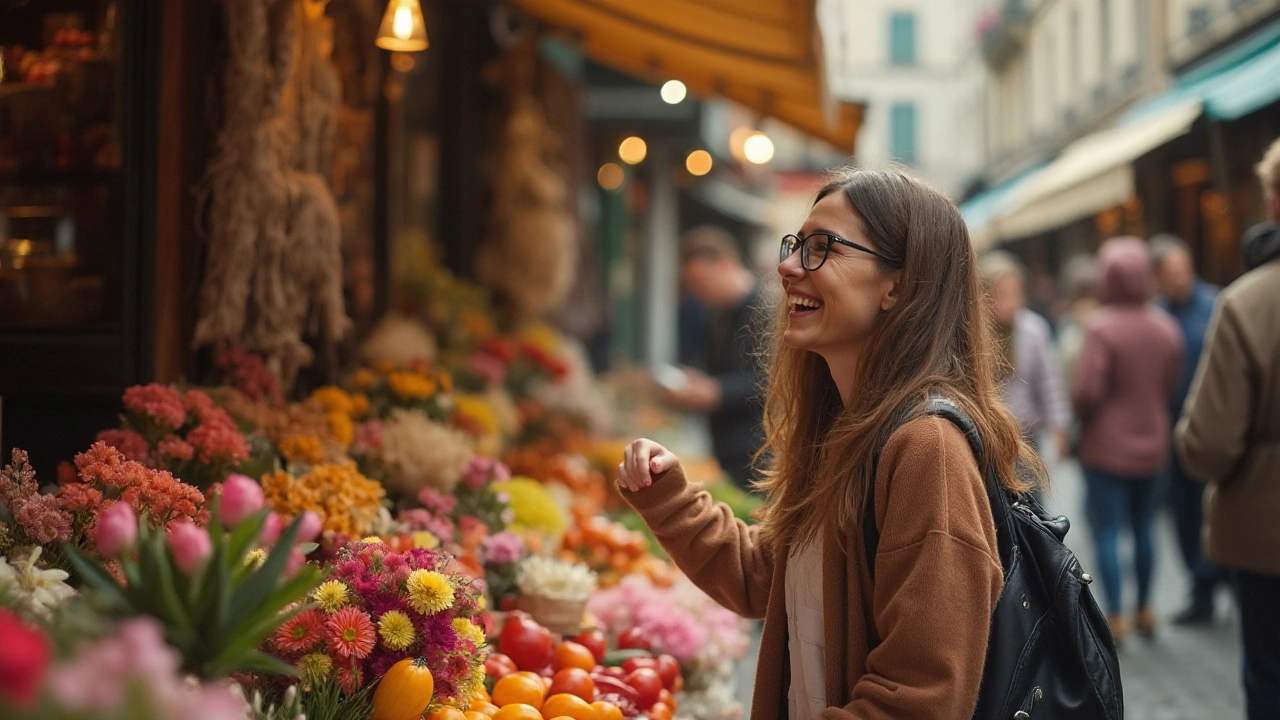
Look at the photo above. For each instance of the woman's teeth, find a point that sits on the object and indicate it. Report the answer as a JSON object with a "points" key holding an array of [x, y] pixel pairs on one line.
{"points": [[803, 303]]}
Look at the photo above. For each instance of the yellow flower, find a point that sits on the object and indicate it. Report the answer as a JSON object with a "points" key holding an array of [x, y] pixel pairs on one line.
{"points": [[476, 409], [429, 592], [468, 686], [425, 540], [446, 382], [315, 667], [333, 399], [305, 449], [341, 428], [533, 506], [411, 385], [372, 539], [542, 335], [359, 405], [255, 558], [468, 630], [385, 367], [332, 596], [396, 630], [364, 379]]}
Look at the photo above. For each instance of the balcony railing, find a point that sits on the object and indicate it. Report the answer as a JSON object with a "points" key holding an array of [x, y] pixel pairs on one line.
{"points": [[1003, 33]]}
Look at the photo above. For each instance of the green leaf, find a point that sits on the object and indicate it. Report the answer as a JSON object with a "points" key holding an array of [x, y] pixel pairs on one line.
{"points": [[259, 585], [166, 592], [247, 637], [98, 578], [260, 662], [246, 533]]}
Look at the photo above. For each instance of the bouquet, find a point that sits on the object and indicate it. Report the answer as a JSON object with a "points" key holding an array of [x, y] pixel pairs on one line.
{"points": [[346, 501]]}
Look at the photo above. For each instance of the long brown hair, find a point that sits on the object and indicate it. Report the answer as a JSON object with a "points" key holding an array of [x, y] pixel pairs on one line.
{"points": [[936, 338]]}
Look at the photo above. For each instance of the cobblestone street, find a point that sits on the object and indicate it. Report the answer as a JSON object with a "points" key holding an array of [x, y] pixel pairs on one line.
{"points": [[1184, 673]]}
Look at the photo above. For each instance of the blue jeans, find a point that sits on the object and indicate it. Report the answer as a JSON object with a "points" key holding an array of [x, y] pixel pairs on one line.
{"points": [[1111, 501], [1259, 597]]}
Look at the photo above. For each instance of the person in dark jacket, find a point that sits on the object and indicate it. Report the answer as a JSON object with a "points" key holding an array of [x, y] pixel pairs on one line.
{"points": [[1189, 299], [1130, 367], [730, 389]]}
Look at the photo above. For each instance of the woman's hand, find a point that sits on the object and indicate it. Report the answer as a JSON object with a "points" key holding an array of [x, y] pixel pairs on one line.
{"points": [[643, 460]]}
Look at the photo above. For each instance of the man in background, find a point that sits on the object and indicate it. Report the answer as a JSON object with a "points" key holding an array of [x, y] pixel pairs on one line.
{"points": [[1189, 300], [730, 389], [1230, 436]]}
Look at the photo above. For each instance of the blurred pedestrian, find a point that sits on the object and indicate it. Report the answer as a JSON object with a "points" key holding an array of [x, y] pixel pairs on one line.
{"points": [[1030, 380], [1189, 299], [729, 391], [1230, 436], [1130, 367], [882, 310], [1080, 279]]}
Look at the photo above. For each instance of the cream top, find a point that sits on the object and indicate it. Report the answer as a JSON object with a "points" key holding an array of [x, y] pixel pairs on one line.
{"points": [[807, 697]]}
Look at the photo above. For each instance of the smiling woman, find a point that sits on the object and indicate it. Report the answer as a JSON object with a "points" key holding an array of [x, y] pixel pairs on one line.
{"points": [[882, 312]]}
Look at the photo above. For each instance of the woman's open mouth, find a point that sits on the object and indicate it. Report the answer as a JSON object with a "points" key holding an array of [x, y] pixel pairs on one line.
{"points": [[802, 304]]}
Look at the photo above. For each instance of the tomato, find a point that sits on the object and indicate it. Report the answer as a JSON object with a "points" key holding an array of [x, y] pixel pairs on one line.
{"points": [[668, 669], [660, 711], [668, 699], [648, 685], [634, 638], [639, 662], [526, 642], [607, 711], [613, 686], [516, 689], [570, 706], [573, 681], [594, 641], [571, 654], [498, 666]]}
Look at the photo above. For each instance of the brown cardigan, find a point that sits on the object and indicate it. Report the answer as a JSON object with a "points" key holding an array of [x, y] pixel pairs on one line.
{"points": [[938, 577]]}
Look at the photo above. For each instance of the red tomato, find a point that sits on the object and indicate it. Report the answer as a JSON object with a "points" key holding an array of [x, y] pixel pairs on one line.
{"points": [[526, 642], [574, 681], [648, 685], [668, 669], [571, 654], [498, 666], [639, 662], [634, 638], [594, 641]]}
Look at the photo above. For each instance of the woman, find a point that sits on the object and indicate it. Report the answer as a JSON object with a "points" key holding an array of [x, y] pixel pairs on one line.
{"points": [[882, 309], [1129, 369]]}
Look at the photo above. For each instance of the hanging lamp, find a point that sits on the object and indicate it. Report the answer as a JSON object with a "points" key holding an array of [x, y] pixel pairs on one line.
{"points": [[402, 29]]}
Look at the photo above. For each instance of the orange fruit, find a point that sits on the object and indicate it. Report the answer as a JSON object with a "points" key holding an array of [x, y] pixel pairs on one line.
{"points": [[518, 690], [666, 698], [660, 711], [518, 711], [481, 693], [546, 681], [444, 712], [483, 707], [574, 681], [571, 654], [569, 705], [476, 715], [607, 710]]}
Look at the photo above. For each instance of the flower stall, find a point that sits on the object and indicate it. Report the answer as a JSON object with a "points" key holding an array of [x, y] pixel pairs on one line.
{"points": [[436, 536]]}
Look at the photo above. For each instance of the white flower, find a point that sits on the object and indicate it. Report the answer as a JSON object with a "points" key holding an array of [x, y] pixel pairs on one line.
{"points": [[555, 579], [421, 453], [399, 340], [35, 590]]}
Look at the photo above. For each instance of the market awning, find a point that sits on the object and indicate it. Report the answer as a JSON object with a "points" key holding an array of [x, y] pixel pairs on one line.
{"points": [[1091, 174], [764, 54]]}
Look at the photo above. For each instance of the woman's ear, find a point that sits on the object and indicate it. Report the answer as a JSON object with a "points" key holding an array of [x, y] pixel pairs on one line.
{"points": [[890, 297]]}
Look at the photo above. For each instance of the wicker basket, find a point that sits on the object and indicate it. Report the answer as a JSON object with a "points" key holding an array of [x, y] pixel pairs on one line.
{"points": [[559, 616]]}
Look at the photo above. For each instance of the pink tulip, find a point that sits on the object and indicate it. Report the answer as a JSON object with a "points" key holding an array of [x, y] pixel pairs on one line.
{"points": [[189, 544], [117, 529], [241, 497], [309, 528], [271, 529], [294, 563]]}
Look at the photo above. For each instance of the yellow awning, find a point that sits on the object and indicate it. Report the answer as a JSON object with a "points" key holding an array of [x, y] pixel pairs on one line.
{"points": [[763, 54]]}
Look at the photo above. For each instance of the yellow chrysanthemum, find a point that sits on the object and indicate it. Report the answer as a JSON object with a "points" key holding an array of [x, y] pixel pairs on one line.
{"points": [[372, 539], [468, 686], [332, 596], [535, 509], [364, 379], [255, 558], [411, 385], [359, 405], [396, 630], [429, 591], [305, 449], [340, 427], [476, 410], [333, 399], [468, 630], [425, 540], [315, 667]]}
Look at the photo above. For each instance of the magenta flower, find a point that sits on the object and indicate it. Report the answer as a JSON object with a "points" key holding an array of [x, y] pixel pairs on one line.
{"points": [[241, 497], [117, 529], [436, 501], [309, 529], [271, 529], [189, 544], [503, 547]]}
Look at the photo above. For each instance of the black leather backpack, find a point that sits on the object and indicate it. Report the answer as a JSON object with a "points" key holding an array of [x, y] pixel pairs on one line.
{"points": [[1050, 654]]}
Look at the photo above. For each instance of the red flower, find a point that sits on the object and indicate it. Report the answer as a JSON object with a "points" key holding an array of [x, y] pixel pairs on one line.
{"points": [[301, 632], [351, 634], [24, 657]]}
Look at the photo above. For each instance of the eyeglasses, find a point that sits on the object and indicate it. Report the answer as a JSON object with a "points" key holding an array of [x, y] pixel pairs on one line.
{"points": [[813, 249]]}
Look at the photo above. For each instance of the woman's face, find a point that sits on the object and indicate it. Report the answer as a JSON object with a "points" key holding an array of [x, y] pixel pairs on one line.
{"points": [[833, 309]]}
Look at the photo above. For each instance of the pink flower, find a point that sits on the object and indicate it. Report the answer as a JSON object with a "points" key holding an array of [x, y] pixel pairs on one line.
{"points": [[310, 527], [42, 518], [487, 366], [129, 443], [351, 633], [437, 502], [482, 471], [241, 497], [369, 434], [117, 529], [172, 446], [294, 562], [504, 547], [271, 529], [24, 657], [161, 403], [189, 544]]}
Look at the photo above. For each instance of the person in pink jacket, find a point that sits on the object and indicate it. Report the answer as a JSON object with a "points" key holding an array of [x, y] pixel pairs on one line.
{"points": [[1129, 369]]}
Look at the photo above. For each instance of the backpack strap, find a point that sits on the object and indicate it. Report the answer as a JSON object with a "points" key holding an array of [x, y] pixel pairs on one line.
{"points": [[944, 407]]}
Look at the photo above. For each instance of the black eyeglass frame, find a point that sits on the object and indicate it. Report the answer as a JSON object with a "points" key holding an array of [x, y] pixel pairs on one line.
{"points": [[802, 244]]}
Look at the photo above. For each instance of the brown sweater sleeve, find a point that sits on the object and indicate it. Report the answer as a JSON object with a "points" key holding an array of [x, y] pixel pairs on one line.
{"points": [[718, 552], [938, 577]]}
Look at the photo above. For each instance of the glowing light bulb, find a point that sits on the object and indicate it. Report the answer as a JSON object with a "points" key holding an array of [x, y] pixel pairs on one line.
{"points": [[698, 163], [673, 92], [758, 148], [633, 150], [402, 25]]}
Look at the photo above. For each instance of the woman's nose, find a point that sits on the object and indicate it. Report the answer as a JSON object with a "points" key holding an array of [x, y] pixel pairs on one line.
{"points": [[790, 268]]}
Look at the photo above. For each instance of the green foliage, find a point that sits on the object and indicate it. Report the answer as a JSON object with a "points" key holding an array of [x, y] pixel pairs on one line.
{"points": [[744, 505], [326, 701], [218, 616]]}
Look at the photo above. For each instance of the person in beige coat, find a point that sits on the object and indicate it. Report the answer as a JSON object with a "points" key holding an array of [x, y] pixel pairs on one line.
{"points": [[1229, 435]]}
